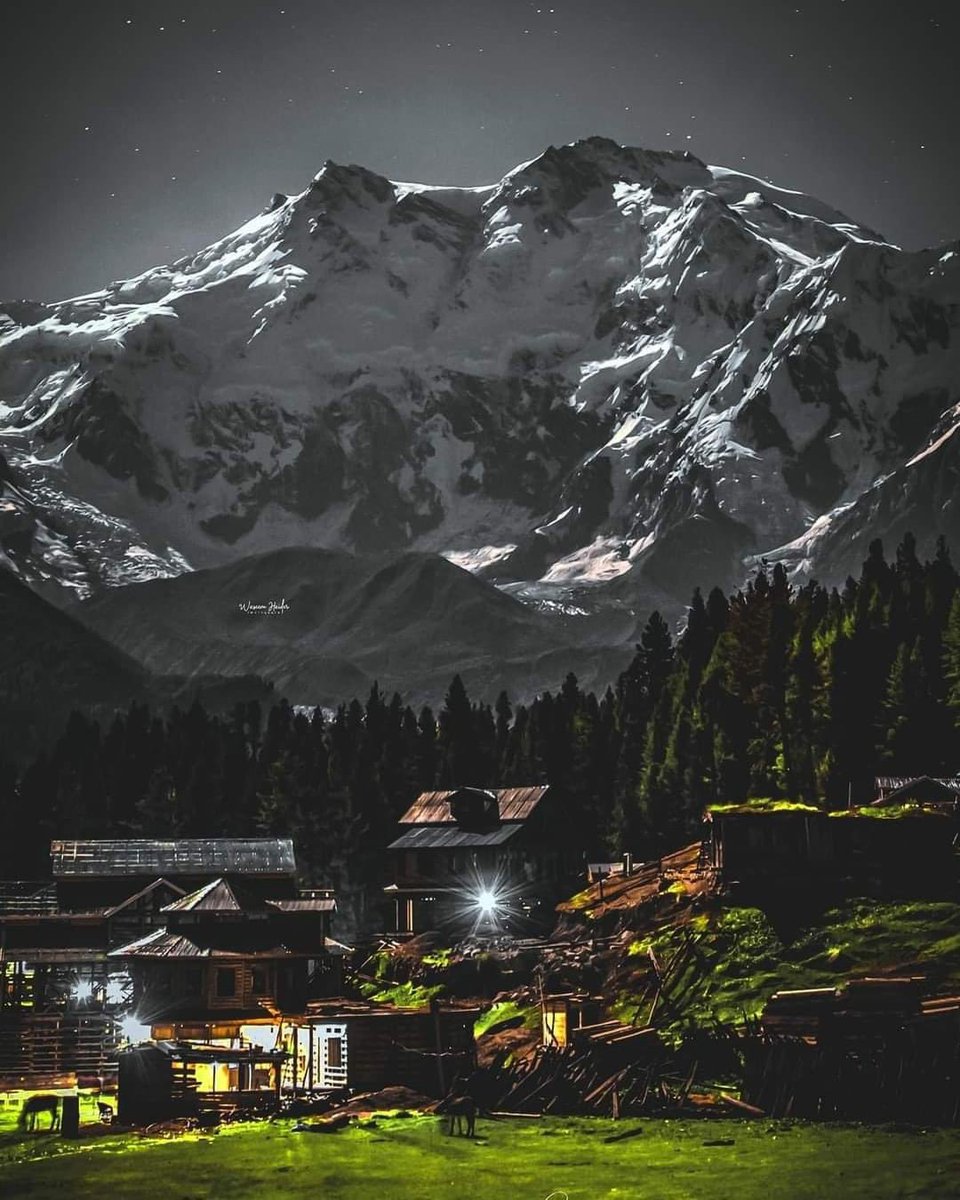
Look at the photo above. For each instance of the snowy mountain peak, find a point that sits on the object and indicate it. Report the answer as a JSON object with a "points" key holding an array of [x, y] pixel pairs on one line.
{"points": [[615, 366]]}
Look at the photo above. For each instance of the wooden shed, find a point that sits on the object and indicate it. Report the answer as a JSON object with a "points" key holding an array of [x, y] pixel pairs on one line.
{"points": [[370, 1047], [161, 1080], [561, 1015], [767, 840]]}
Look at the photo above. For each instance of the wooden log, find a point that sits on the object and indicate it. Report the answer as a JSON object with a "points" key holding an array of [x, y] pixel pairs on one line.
{"points": [[742, 1105]]}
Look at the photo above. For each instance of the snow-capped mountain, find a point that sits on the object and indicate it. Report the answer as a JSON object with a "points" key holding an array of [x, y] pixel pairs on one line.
{"points": [[613, 365]]}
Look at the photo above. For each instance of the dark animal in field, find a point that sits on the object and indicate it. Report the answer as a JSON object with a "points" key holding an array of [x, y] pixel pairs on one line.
{"points": [[106, 1112], [461, 1110], [34, 1105]]}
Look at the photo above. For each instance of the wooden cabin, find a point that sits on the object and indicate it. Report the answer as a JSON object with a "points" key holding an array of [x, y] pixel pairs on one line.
{"points": [[486, 859], [56, 938], [161, 1080], [150, 927], [368, 1047], [189, 1069], [895, 849], [223, 952], [767, 840]]}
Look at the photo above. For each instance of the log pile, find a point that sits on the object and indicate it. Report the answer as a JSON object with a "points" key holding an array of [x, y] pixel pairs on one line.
{"points": [[610, 1070], [872, 1050]]}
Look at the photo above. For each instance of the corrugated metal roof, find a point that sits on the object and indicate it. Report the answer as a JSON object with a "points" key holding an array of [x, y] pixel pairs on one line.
{"points": [[320, 904], [433, 808], [892, 782], [425, 837], [164, 944], [186, 856]]}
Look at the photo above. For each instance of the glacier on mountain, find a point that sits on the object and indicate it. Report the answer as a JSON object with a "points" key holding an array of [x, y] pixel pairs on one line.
{"points": [[616, 368]]}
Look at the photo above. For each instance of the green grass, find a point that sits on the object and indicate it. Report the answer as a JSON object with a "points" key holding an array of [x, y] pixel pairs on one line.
{"points": [[414, 1159], [10, 1103], [763, 804], [403, 995], [506, 1010], [438, 958], [741, 960]]}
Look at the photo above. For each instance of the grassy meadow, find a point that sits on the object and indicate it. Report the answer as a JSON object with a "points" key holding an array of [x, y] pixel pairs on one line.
{"points": [[412, 1158]]}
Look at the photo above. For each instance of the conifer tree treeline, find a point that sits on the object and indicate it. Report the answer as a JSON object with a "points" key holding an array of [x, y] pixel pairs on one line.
{"points": [[801, 693]]}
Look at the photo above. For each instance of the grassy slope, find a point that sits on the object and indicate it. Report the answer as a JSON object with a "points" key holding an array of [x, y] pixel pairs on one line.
{"points": [[510, 1160], [740, 959]]}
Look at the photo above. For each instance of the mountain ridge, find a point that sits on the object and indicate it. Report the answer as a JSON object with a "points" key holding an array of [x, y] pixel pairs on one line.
{"points": [[324, 626], [614, 370]]}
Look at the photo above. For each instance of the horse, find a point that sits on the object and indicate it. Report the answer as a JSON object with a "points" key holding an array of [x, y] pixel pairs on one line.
{"points": [[34, 1105], [460, 1109]]}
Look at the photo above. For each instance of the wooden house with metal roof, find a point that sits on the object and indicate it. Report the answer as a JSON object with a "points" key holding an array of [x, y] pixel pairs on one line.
{"points": [[225, 953], [487, 859], [199, 927]]}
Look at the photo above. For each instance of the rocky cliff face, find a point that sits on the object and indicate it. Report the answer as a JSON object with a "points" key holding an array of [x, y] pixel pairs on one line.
{"points": [[613, 367]]}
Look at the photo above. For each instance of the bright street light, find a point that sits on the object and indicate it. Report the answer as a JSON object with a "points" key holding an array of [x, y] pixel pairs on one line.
{"points": [[487, 902]]}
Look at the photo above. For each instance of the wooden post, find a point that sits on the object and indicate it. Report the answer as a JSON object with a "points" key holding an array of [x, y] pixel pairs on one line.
{"points": [[311, 1034], [435, 1006]]}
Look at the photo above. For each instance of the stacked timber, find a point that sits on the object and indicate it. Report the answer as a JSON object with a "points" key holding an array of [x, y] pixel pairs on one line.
{"points": [[611, 1069], [799, 1012], [871, 1050]]}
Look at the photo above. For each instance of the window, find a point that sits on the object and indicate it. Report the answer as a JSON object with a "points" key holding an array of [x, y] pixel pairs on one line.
{"points": [[260, 981], [226, 981], [335, 1052]]}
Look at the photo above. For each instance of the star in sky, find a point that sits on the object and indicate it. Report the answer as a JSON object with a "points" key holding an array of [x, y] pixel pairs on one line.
{"points": [[458, 93]]}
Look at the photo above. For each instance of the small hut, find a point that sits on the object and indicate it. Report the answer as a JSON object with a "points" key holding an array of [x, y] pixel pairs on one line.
{"points": [[561, 1015], [161, 1080]]}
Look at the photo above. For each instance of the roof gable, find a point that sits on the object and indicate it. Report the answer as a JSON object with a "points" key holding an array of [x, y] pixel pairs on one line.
{"points": [[142, 894], [215, 896]]}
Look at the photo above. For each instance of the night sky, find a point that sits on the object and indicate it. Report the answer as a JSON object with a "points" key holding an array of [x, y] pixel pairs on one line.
{"points": [[135, 132]]}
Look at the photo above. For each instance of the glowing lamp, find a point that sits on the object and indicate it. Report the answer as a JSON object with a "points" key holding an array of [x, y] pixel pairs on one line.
{"points": [[82, 990], [487, 902], [116, 989]]}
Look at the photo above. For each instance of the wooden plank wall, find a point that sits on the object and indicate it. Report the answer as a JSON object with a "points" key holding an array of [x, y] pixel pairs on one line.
{"points": [[34, 1045]]}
